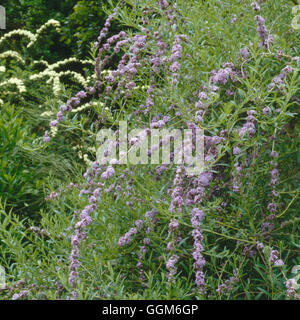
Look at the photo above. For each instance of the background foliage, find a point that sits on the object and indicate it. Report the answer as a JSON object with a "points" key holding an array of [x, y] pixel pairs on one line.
{"points": [[80, 24]]}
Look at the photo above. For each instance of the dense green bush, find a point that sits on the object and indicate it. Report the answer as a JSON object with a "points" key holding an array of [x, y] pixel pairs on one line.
{"points": [[152, 232], [80, 24]]}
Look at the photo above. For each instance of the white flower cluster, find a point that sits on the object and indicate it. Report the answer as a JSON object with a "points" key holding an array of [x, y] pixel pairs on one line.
{"points": [[87, 160], [75, 77], [19, 32], [92, 149], [1, 102], [54, 76], [93, 77], [41, 62], [106, 72], [31, 36], [88, 105], [51, 22], [11, 54], [56, 86], [2, 69], [53, 131], [84, 157], [14, 81], [47, 114], [66, 61]]}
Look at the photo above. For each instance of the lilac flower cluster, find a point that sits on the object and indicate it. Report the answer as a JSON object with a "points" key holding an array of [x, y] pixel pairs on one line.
{"points": [[196, 193], [156, 60], [127, 237], [223, 75], [56, 194], [173, 232], [233, 19], [89, 92], [236, 177], [80, 234], [158, 123], [142, 253], [163, 4], [227, 286], [245, 53], [110, 171], [172, 268], [255, 6], [272, 206], [267, 39], [217, 77], [75, 101], [128, 67], [121, 39], [21, 295], [149, 100], [248, 251], [173, 226], [249, 126], [291, 284], [249, 129], [52, 195], [266, 111], [150, 215], [278, 81], [177, 193], [38, 231], [212, 148], [46, 137], [203, 101], [273, 256], [175, 56], [104, 30], [159, 170], [170, 11], [72, 185], [71, 103], [152, 220], [197, 217]]}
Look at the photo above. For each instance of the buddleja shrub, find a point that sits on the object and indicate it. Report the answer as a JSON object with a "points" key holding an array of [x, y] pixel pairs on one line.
{"points": [[148, 231]]}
